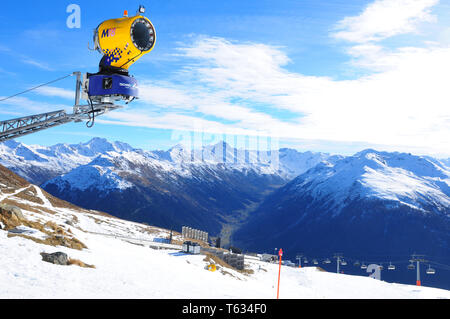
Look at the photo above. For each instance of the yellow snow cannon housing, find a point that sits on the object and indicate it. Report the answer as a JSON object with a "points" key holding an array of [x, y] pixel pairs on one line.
{"points": [[125, 40]]}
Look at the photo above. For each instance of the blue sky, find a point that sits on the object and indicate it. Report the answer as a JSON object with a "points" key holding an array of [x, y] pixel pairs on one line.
{"points": [[331, 76]]}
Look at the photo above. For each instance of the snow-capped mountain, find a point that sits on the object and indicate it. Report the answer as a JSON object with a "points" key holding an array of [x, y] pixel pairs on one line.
{"points": [[110, 258], [286, 163], [137, 186], [42, 163], [203, 187], [405, 179], [373, 203], [38, 164]]}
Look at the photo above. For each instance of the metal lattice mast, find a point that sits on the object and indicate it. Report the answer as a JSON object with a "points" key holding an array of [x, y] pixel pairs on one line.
{"points": [[18, 127]]}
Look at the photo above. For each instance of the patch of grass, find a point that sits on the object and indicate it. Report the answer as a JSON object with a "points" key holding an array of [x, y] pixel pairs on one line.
{"points": [[30, 195], [79, 263], [27, 207], [209, 257], [53, 240], [56, 235], [9, 219]]}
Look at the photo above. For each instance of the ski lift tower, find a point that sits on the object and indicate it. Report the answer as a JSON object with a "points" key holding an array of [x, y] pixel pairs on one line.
{"points": [[418, 259], [338, 257], [299, 258]]}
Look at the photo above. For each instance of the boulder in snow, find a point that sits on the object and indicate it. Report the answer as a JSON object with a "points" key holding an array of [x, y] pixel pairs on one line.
{"points": [[58, 258]]}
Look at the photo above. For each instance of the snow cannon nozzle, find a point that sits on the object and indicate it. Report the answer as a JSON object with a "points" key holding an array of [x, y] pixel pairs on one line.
{"points": [[124, 40]]}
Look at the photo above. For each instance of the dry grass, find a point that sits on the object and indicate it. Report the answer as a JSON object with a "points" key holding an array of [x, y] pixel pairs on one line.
{"points": [[79, 263], [53, 240], [27, 207], [9, 219], [247, 271], [218, 261], [210, 258], [56, 235], [12, 180], [30, 195]]}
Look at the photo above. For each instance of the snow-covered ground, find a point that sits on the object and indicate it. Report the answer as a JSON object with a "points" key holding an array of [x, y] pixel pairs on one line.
{"points": [[125, 270]]}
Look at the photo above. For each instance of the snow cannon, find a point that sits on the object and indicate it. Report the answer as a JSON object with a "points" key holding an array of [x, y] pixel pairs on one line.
{"points": [[122, 42]]}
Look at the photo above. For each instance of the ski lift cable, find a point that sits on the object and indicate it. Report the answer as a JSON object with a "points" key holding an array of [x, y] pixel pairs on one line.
{"points": [[439, 265], [387, 262], [36, 87]]}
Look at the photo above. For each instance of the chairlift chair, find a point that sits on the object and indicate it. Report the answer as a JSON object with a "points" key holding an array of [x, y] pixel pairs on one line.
{"points": [[391, 266], [411, 267], [430, 271]]}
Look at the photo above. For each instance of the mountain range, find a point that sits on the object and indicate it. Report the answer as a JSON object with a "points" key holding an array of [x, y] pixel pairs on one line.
{"points": [[209, 188], [218, 187], [371, 203], [53, 249]]}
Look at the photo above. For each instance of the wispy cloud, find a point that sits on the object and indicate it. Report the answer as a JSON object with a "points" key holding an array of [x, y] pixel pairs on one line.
{"points": [[35, 63], [24, 106], [56, 92], [404, 106], [385, 18], [25, 58], [244, 88]]}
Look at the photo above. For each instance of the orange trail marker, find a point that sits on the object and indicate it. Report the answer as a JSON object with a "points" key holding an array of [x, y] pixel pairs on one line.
{"points": [[280, 253]]}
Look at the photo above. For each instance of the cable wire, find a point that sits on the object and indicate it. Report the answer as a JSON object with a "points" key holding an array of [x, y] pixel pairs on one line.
{"points": [[36, 87]]}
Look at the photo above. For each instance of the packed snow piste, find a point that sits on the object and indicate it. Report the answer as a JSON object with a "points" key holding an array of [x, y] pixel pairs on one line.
{"points": [[122, 42]]}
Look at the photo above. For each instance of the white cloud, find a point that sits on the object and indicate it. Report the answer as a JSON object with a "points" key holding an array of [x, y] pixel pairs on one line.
{"points": [[244, 88], [38, 64], [406, 105], [385, 18], [23, 106], [56, 92]]}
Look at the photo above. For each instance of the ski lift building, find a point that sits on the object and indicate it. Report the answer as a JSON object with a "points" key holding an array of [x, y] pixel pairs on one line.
{"points": [[191, 248]]}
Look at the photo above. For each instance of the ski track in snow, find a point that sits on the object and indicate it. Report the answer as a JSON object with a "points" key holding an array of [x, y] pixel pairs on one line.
{"points": [[42, 197], [5, 196]]}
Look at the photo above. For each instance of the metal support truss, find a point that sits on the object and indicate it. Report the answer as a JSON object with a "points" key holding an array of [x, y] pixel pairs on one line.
{"points": [[15, 128]]}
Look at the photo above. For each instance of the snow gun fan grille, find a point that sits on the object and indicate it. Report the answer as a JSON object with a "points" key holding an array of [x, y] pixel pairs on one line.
{"points": [[143, 34]]}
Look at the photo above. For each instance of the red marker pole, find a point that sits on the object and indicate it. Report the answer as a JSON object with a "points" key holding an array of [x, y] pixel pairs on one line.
{"points": [[280, 253]]}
